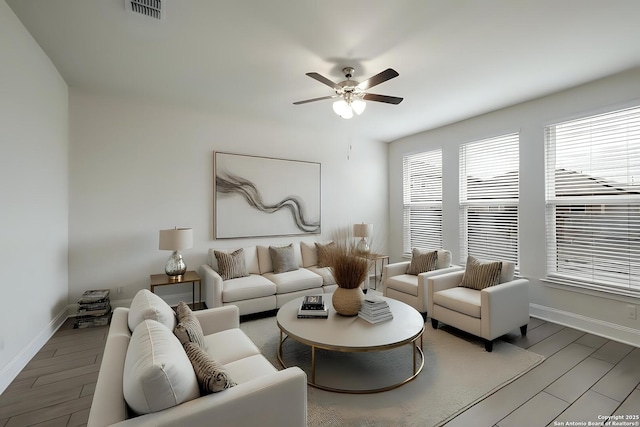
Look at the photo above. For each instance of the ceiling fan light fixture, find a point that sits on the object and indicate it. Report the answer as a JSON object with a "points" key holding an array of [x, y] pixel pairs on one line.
{"points": [[358, 106], [343, 109]]}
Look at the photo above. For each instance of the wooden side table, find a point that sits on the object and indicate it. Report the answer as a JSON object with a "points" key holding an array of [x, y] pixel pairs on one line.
{"points": [[189, 276]]}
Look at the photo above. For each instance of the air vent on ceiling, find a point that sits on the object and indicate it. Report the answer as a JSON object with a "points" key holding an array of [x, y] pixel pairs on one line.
{"points": [[151, 8]]}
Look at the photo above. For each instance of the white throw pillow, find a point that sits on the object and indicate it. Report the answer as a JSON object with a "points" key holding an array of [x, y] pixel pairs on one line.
{"points": [[147, 305], [157, 372]]}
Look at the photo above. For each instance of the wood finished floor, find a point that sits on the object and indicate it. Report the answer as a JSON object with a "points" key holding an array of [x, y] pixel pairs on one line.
{"points": [[582, 377]]}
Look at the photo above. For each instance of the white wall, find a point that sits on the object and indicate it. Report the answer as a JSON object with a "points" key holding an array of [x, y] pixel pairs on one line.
{"points": [[33, 196], [137, 167], [595, 312]]}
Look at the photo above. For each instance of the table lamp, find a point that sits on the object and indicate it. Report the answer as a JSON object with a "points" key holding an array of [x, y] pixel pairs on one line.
{"points": [[175, 240], [363, 231]]}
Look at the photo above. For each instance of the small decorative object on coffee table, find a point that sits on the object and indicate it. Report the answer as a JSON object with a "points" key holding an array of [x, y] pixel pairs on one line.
{"points": [[350, 269]]}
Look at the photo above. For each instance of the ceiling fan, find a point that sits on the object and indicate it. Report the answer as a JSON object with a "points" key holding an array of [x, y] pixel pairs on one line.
{"points": [[352, 94]]}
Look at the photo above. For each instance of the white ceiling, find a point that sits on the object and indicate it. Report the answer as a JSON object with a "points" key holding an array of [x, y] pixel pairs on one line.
{"points": [[456, 58]]}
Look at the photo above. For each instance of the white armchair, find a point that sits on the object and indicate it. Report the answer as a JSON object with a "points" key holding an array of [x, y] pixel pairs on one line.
{"points": [[411, 288], [488, 313]]}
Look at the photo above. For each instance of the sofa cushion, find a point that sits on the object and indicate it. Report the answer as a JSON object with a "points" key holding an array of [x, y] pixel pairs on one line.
{"points": [[250, 258], [147, 305], [230, 345], [188, 328], [462, 300], [212, 376], [157, 373], [480, 275], [325, 273], [292, 281], [253, 286], [422, 261], [406, 283], [249, 368], [283, 258], [508, 270], [231, 266]]}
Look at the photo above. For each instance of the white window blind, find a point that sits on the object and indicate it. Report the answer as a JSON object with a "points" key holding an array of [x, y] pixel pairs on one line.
{"points": [[489, 195], [422, 194], [593, 200]]}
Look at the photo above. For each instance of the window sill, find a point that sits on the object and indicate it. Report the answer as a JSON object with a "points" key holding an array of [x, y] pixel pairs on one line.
{"points": [[623, 295]]}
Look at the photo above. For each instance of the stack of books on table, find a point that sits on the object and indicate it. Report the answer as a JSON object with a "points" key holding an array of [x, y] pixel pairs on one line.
{"points": [[375, 310], [94, 309], [313, 307]]}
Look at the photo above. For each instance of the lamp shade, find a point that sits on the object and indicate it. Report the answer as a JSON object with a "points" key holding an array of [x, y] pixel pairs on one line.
{"points": [[362, 230], [176, 239]]}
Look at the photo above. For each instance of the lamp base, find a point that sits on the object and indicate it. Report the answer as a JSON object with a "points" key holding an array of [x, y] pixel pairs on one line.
{"points": [[363, 247], [175, 265]]}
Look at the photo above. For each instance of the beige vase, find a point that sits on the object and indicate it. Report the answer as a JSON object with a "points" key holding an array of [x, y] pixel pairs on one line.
{"points": [[347, 302]]}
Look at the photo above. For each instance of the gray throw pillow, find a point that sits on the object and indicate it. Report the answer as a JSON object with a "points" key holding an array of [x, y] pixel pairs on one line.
{"points": [[212, 376], [422, 261], [188, 328], [283, 258], [231, 266], [479, 275]]}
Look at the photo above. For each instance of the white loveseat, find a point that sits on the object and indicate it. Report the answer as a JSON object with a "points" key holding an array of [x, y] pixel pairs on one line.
{"points": [[263, 395], [264, 290]]}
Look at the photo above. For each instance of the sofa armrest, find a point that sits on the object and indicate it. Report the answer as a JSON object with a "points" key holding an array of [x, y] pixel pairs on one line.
{"points": [[505, 307], [277, 399], [440, 282], [218, 319], [212, 286], [394, 269]]}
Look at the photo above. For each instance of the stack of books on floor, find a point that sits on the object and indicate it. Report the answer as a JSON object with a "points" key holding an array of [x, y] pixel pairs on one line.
{"points": [[375, 310], [94, 309], [313, 307]]}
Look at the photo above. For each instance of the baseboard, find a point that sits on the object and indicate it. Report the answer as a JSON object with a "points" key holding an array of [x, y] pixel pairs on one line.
{"points": [[593, 326], [17, 364]]}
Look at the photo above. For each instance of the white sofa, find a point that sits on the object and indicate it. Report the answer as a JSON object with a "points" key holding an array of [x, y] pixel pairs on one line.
{"points": [[412, 289], [263, 395], [264, 290]]}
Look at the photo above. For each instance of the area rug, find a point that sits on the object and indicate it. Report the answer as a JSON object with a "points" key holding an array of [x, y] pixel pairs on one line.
{"points": [[457, 373]]}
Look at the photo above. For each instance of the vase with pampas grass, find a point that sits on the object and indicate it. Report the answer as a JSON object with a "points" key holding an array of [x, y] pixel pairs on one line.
{"points": [[350, 270]]}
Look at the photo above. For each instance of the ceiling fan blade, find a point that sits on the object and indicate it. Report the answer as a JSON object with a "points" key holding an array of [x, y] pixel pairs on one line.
{"points": [[324, 80], [315, 99], [382, 98], [382, 77]]}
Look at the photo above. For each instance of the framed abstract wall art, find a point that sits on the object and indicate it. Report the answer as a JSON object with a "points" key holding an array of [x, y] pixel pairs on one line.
{"points": [[262, 196]]}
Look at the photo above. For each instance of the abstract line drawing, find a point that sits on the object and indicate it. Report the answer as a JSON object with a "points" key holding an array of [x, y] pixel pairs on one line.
{"points": [[261, 196]]}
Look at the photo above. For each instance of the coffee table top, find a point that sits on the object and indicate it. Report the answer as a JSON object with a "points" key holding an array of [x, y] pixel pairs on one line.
{"points": [[351, 333]]}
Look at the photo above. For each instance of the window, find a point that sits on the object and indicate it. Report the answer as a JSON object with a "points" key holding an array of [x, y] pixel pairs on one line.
{"points": [[422, 201], [489, 193], [593, 201]]}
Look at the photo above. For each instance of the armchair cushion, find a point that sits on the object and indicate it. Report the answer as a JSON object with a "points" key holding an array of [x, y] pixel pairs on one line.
{"points": [[479, 275], [231, 266], [422, 261], [462, 300]]}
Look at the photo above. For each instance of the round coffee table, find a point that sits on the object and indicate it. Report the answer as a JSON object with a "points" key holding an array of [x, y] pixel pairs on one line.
{"points": [[353, 334]]}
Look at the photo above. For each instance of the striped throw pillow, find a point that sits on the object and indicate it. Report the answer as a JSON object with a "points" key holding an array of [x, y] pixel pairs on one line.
{"points": [[188, 328], [479, 275], [422, 261], [231, 266], [212, 376]]}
